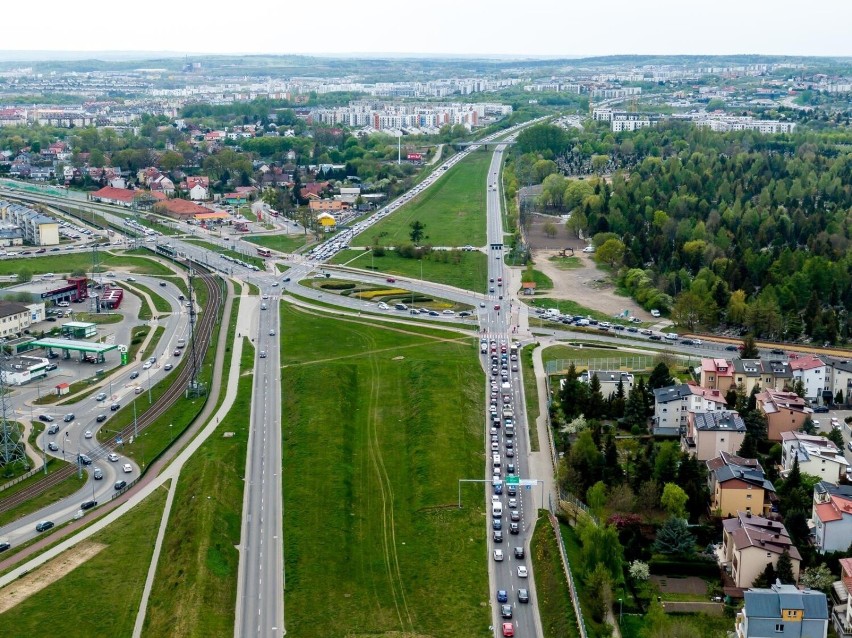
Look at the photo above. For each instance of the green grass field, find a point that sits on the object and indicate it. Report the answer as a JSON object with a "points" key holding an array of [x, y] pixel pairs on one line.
{"points": [[195, 590], [554, 600], [379, 425], [160, 304], [471, 273], [62, 264], [101, 596], [530, 394], [218, 250], [542, 281], [453, 210], [566, 263], [283, 243]]}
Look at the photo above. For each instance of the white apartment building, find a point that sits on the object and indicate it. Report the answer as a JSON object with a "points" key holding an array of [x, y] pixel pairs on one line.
{"points": [[817, 456], [815, 375], [673, 404]]}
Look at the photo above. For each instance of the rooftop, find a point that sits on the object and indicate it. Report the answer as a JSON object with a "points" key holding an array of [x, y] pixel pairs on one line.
{"points": [[768, 603]]}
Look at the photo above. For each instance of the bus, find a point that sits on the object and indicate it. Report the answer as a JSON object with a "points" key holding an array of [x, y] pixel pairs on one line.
{"points": [[264, 252]]}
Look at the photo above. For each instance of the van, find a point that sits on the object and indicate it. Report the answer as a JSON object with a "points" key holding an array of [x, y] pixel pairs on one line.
{"points": [[497, 509], [495, 460], [62, 304], [181, 343], [671, 336]]}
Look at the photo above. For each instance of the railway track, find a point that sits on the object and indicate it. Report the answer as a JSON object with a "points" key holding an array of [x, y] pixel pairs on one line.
{"points": [[204, 332]]}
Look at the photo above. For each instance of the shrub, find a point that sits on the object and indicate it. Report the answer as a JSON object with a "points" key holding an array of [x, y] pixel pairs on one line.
{"points": [[341, 285]]}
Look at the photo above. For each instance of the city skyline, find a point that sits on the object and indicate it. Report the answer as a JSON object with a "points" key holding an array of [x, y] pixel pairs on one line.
{"points": [[549, 29]]}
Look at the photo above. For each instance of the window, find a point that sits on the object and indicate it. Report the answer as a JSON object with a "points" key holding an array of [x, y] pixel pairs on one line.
{"points": [[748, 497], [779, 627]]}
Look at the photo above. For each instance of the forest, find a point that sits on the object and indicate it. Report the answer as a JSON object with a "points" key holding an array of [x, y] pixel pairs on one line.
{"points": [[738, 229]]}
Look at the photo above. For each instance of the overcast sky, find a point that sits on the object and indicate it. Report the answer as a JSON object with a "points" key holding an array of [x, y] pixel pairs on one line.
{"points": [[505, 27]]}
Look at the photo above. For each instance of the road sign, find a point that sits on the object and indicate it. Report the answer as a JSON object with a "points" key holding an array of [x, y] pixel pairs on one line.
{"points": [[513, 480], [527, 482]]}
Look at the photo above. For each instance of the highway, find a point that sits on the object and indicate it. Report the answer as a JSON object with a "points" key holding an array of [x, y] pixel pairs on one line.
{"points": [[260, 587]]}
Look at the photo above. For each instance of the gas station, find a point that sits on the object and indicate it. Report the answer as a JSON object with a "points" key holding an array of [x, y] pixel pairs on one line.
{"points": [[89, 352]]}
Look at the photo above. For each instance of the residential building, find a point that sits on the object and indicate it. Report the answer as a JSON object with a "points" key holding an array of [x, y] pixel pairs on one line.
{"points": [[15, 318], [609, 380], [750, 542], [326, 206], [784, 412], [832, 517], [111, 195], [717, 374], [198, 187], [841, 613], [738, 484], [816, 454], [815, 376], [710, 433], [841, 379], [36, 229], [673, 403], [783, 611], [180, 208], [771, 374]]}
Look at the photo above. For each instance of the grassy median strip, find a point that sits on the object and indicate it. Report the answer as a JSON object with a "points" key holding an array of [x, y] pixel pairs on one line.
{"points": [[160, 304], [282, 243], [531, 395], [100, 597], [196, 586], [379, 424], [558, 619], [218, 250], [453, 210]]}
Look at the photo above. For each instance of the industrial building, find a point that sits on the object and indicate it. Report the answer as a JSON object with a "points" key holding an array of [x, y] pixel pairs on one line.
{"points": [[24, 369], [79, 329]]}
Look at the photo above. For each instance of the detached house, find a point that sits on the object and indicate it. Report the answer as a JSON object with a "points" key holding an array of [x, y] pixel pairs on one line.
{"points": [[198, 187], [751, 542], [710, 433], [842, 613], [815, 376], [841, 379], [816, 454], [717, 374], [832, 517], [784, 412], [784, 611], [738, 484], [672, 404]]}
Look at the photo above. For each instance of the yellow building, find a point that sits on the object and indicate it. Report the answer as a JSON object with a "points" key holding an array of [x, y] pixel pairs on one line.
{"points": [[327, 222], [738, 484]]}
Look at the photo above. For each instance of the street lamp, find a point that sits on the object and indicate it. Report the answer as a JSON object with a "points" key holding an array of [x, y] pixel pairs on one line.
{"points": [[620, 609]]}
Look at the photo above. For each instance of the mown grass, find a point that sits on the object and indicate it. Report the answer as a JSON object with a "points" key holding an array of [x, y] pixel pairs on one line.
{"points": [[218, 250], [567, 306], [566, 263], [581, 355], [470, 273], [542, 281], [452, 209], [160, 304], [283, 243], [79, 261], [55, 493], [102, 595], [99, 318], [195, 590], [530, 394], [692, 625], [159, 331], [379, 425], [574, 551], [558, 619], [137, 337]]}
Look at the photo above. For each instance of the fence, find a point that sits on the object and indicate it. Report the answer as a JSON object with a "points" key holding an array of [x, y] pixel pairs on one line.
{"points": [[566, 568], [573, 501], [638, 363], [22, 477]]}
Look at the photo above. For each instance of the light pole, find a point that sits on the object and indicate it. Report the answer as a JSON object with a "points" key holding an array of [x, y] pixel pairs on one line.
{"points": [[149, 387], [620, 609]]}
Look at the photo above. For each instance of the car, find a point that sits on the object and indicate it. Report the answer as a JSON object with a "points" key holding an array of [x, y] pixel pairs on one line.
{"points": [[84, 459], [655, 313], [127, 468], [522, 571], [152, 360], [98, 474], [515, 515], [87, 505], [45, 417], [88, 434], [502, 596], [101, 396], [147, 365], [101, 418], [821, 409], [138, 389], [168, 367], [589, 249], [43, 526], [53, 428], [131, 279], [68, 417], [656, 338], [508, 629], [52, 446], [498, 554], [513, 503], [120, 485], [731, 348], [496, 306], [262, 354], [134, 374], [514, 528], [4, 545], [176, 353], [115, 407], [497, 535], [519, 552], [390, 280], [162, 284], [496, 523], [523, 596], [776, 351], [271, 333], [112, 456]]}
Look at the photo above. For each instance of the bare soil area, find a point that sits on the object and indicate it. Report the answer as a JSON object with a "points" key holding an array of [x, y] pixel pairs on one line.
{"points": [[47, 574]]}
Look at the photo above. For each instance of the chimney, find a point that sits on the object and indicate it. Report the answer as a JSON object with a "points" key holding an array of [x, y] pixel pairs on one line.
{"points": [[778, 536]]}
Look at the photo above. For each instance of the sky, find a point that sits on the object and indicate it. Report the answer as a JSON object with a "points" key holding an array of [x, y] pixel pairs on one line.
{"points": [[525, 28]]}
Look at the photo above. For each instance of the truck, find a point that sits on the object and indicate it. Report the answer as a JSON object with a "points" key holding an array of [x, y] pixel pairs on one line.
{"points": [[508, 413]]}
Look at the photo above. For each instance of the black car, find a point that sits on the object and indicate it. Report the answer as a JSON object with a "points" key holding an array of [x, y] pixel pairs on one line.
{"points": [[68, 418], [134, 374], [87, 505], [120, 485], [655, 338], [519, 552], [163, 284], [731, 348], [85, 460], [45, 417], [506, 611], [4, 545], [776, 351], [101, 418], [821, 409], [114, 407], [498, 536], [523, 596], [514, 528], [42, 526]]}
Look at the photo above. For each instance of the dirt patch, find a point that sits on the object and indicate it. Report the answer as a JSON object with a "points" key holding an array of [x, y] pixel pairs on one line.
{"points": [[539, 240], [47, 574], [586, 285], [685, 585]]}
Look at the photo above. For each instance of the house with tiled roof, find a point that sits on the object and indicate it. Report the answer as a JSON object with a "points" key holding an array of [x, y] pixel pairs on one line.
{"points": [[816, 455], [717, 374], [110, 195], [738, 484], [180, 208], [673, 403], [784, 412], [815, 376], [710, 433], [750, 542], [198, 187], [326, 206], [831, 517], [841, 613], [313, 188], [782, 611]]}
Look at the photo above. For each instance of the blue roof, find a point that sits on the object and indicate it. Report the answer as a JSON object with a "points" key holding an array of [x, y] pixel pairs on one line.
{"points": [[768, 603]]}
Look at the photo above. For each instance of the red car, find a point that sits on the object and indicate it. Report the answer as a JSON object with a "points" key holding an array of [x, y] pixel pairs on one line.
{"points": [[391, 280], [508, 629], [496, 306]]}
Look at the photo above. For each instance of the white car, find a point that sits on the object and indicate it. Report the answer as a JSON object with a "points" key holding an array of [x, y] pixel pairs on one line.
{"points": [[589, 249], [147, 365], [88, 434], [522, 571], [498, 554], [128, 468], [112, 456]]}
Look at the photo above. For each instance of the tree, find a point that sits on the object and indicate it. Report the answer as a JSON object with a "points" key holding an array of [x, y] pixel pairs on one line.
{"points": [[836, 437], [24, 276], [611, 252], [572, 394], [601, 546], [749, 350], [639, 571], [594, 408], [666, 462], [674, 500], [817, 577], [596, 498], [766, 578], [577, 223], [417, 231], [674, 538], [660, 377], [784, 569], [585, 461], [599, 583], [550, 229], [634, 411]]}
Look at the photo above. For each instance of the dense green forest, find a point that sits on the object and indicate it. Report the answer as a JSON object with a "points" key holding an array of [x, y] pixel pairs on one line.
{"points": [[739, 228]]}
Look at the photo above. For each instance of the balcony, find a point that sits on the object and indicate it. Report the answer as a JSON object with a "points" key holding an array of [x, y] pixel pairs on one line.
{"points": [[838, 618]]}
